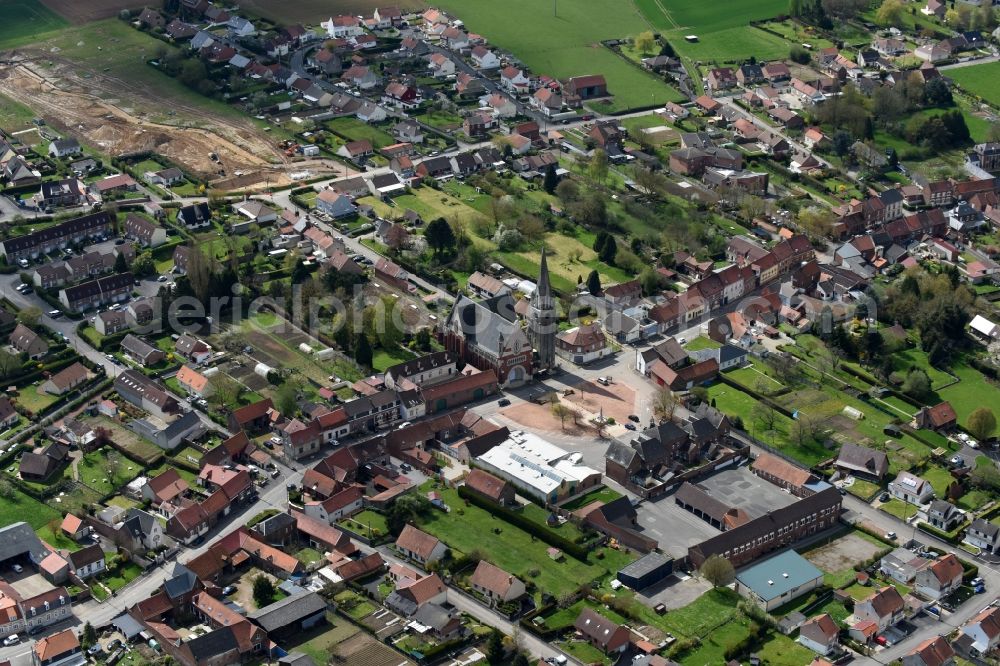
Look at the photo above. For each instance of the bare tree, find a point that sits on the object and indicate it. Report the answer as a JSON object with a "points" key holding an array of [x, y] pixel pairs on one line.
{"points": [[765, 414], [664, 404]]}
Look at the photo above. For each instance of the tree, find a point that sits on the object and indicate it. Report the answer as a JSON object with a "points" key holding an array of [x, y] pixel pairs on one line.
{"points": [[29, 316], [383, 319], [440, 236], [594, 283], [651, 281], [10, 364], [986, 476], [560, 411], [422, 339], [765, 414], [799, 55], [817, 221], [7, 490], [598, 168], [841, 142], [263, 591], [981, 423], [495, 652], [143, 264], [717, 570], [551, 179], [226, 391], [937, 93], [608, 251], [917, 384], [644, 42], [890, 13], [363, 351], [199, 273], [89, 635], [121, 264], [664, 404], [286, 400], [521, 660]]}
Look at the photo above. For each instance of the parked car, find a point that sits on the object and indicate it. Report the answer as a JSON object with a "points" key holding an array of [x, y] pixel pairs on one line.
{"points": [[503, 402], [55, 314], [227, 590], [630, 426], [890, 536], [13, 639], [17, 568], [633, 417]]}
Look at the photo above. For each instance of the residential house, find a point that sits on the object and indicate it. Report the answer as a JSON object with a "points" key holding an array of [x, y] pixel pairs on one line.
{"points": [[66, 380], [862, 461], [26, 341], [61, 148], [820, 634], [335, 205], [911, 488], [495, 584], [141, 351], [583, 344], [943, 515], [983, 631], [722, 78], [491, 487], [940, 579], [602, 633], [195, 216], [192, 349], [884, 607], [935, 651], [144, 231], [193, 382], [941, 416], [419, 546]]}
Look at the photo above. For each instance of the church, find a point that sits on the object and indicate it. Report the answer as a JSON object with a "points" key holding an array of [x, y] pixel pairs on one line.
{"points": [[487, 334]]}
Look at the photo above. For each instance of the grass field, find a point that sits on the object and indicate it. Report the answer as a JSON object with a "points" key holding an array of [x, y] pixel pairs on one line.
{"points": [[722, 28], [13, 115], [972, 391], [120, 51], [469, 528], [94, 470], [26, 21], [979, 80], [569, 42], [356, 130]]}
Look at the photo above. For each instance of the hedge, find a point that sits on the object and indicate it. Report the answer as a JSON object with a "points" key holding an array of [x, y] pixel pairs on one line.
{"points": [[518, 520], [933, 531]]}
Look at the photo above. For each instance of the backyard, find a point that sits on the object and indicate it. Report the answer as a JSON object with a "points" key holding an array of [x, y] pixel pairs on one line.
{"points": [[471, 528]]}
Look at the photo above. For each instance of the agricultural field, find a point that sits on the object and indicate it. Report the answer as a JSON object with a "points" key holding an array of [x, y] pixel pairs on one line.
{"points": [[979, 80], [26, 21], [722, 28], [568, 43]]}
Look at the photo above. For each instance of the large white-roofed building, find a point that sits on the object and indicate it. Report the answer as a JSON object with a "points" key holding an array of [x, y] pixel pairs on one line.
{"points": [[539, 468]]}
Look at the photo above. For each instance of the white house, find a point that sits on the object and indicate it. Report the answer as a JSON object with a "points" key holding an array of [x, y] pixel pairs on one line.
{"points": [[984, 329], [820, 634], [64, 147], [419, 546], [984, 535], [495, 584], [483, 58], [514, 80], [342, 27], [884, 607], [940, 579], [441, 65], [984, 630], [911, 488], [335, 205]]}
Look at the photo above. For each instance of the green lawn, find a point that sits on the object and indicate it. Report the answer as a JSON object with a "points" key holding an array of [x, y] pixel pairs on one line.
{"points": [[567, 42], [95, 471], [383, 359], [907, 359], [26, 21], [979, 80], [781, 650], [584, 652], [702, 342], [972, 391], [321, 642], [753, 378], [899, 508], [34, 399], [939, 478], [356, 130], [722, 28], [309, 556], [600, 495], [470, 528], [120, 51], [125, 575], [709, 610], [362, 521], [14, 115]]}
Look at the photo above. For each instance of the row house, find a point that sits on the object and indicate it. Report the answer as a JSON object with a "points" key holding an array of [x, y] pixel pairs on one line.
{"points": [[96, 226], [95, 293]]}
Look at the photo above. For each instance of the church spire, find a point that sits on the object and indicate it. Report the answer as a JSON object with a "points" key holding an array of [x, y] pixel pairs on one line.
{"points": [[542, 324]]}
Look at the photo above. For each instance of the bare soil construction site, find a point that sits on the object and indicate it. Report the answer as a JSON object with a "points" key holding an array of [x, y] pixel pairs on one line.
{"points": [[88, 107]]}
